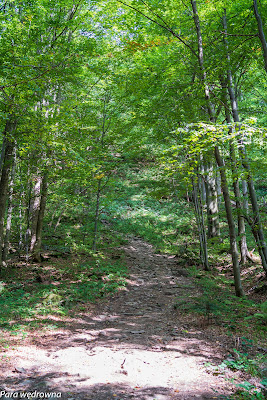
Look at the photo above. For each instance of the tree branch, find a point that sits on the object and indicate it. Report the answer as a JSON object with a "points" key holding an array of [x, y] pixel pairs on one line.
{"points": [[70, 17], [165, 26], [261, 33], [237, 35]]}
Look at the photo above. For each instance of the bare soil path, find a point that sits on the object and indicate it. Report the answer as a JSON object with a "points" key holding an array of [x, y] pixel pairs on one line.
{"points": [[135, 346]]}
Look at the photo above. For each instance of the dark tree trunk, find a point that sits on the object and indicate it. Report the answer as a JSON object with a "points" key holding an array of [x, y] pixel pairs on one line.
{"points": [[8, 155], [10, 210]]}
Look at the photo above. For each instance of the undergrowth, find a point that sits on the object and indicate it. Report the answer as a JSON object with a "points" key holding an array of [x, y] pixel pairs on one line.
{"points": [[56, 288]]}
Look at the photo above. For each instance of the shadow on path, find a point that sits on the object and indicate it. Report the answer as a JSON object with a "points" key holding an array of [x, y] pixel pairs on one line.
{"points": [[133, 346]]}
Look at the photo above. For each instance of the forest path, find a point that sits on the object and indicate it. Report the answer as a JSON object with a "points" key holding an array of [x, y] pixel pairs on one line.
{"points": [[135, 346]]}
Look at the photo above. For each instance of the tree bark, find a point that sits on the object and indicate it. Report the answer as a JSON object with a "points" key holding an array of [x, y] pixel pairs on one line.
{"points": [[240, 213], [2, 154], [200, 225], [212, 202], [219, 187], [10, 210], [37, 215], [233, 245], [97, 214], [245, 196], [36, 249], [34, 211], [4, 180], [202, 182], [255, 222], [240, 218]]}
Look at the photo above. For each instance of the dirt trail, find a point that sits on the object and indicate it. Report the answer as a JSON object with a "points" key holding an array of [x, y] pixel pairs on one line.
{"points": [[136, 346]]}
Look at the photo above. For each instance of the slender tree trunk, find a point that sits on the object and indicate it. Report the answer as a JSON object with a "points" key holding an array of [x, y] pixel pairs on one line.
{"points": [[4, 180], [59, 219], [201, 226], [34, 211], [219, 187], [240, 214], [227, 201], [240, 217], [212, 202], [20, 224], [245, 196], [105, 124], [210, 185], [201, 61], [9, 210], [256, 222], [234, 253], [28, 212], [202, 183], [36, 247], [21, 207], [261, 33], [2, 154], [97, 214]]}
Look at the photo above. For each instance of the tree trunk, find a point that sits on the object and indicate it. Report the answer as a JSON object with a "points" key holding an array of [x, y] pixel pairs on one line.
{"points": [[212, 202], [202, 182], [20, 224], [28, 214], [210, 184], [256, 222], [200, 225], [97, 214], [219, 187], [261, 33], [245, 196], [240, 214], [36, 246], [34, 211], [10, 210], [6, 166], [201, 61], [2, 154], [233, 245], [234, 253], [240, 217]]}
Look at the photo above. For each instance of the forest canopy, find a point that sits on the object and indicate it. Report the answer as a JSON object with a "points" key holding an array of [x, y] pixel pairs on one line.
{"points": [[90, 90]]}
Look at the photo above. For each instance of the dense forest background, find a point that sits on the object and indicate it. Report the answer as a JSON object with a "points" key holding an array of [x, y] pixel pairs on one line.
{"points": [[132, 118]]}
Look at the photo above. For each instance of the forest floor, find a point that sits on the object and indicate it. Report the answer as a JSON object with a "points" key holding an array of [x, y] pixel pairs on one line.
{"points": [[133, 345]]}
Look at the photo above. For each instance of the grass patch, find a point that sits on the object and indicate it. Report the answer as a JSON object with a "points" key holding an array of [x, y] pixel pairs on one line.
{"points": [[55, 289], [216, 299]]}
